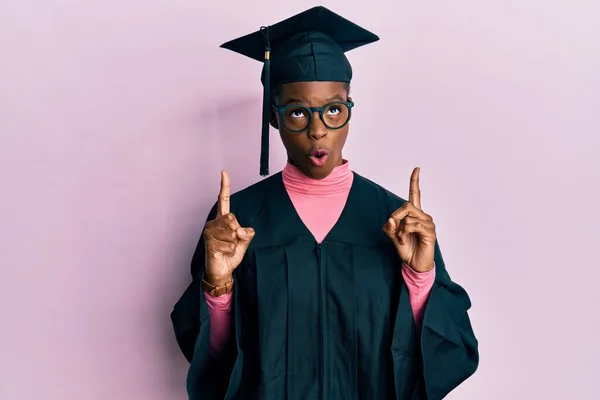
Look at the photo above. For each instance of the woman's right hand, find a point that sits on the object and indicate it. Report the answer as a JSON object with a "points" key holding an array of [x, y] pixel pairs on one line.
{"points": [[225, 240]]}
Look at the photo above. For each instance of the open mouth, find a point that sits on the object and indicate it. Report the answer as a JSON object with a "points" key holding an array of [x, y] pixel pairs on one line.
{"points": [[318, 157], [319, 153]]}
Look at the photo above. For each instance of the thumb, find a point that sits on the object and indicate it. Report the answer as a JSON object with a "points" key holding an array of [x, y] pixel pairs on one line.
{"points": [[390, 228], [245, 235]]}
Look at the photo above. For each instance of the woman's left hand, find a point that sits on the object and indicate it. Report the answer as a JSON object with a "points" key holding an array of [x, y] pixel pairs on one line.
{"points": [[413, 231]]}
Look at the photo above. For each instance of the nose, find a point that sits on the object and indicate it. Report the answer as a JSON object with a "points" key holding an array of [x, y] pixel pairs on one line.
{"points": [[317, 129]]}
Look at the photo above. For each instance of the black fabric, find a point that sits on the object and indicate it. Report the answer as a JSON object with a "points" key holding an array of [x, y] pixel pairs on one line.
{"points": [[329, 321], [309, 46]]}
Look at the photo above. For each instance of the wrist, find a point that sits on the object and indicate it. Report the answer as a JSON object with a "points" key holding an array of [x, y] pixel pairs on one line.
{"points": [[217, 280], [420, 270], [220, 287]]}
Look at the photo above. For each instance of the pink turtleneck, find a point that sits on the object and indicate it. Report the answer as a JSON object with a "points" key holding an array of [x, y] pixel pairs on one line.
{"points": [[319, 216], [318, 202]]}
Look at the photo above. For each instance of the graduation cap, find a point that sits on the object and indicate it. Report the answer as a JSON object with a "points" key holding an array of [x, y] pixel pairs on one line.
{"points": [[307, 47]]}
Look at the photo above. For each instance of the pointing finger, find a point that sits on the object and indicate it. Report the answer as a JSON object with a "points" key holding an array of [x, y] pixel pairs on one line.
{"points": [[224, 194], [414, 194]]}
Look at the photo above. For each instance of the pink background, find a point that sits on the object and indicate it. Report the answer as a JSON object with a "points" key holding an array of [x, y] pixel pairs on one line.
{"points": [[116, 117]]}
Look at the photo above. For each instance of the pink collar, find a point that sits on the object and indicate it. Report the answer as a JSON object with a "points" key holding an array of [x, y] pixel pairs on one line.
{"points": [[338, 181]]}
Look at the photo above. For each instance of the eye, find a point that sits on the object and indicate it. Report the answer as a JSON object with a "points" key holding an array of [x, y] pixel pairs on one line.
{"points": [[334, 110], [296, 113]]}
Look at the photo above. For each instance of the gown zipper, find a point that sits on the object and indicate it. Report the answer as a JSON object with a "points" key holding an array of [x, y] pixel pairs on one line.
{"points": [[323, 386]]}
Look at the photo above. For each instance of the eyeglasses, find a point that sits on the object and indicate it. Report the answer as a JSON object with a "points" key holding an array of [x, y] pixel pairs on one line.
{"points": [[297, 118]]}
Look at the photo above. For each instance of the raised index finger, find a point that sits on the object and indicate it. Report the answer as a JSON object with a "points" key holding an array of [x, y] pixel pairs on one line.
{"points": [[224, 194], [414, 194]]}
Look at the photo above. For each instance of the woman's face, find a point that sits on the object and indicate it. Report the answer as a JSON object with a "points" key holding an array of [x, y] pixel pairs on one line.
{"points": [[318, 149]]}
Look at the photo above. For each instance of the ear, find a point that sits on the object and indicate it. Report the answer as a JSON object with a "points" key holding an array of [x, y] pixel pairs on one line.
{"points": [[273, 119]]}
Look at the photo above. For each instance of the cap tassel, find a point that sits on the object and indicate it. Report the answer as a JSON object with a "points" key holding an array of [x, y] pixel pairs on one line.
{"points": [[264, 141]]}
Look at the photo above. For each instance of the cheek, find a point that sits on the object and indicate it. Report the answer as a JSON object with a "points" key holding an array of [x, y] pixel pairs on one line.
{"points": [[293, 143], [340, 140]]}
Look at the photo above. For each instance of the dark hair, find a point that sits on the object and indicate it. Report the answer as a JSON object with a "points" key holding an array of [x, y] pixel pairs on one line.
{"points": [[276, 92]]}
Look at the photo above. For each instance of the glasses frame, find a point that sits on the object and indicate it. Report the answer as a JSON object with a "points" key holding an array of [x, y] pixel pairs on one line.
{"points": [[281, 110]]}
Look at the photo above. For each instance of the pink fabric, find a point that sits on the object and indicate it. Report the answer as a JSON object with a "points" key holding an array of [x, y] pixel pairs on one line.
{"points": [[319, 203], [304, 192], [219, 310], [419, 286]]}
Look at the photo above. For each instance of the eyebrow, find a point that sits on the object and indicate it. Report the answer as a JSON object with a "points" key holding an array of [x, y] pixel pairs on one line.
{"points": [[294, 101], [337, 97]]}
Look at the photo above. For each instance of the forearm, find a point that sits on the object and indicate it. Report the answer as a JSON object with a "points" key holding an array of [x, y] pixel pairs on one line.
{"points": [[220, 313], [419, 286]]}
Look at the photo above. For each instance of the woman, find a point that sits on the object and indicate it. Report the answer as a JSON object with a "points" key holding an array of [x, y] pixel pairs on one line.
{"points": [[316, 283]]}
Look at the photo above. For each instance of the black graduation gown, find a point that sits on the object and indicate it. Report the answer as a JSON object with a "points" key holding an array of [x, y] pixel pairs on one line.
{"points": [[325, 321]]}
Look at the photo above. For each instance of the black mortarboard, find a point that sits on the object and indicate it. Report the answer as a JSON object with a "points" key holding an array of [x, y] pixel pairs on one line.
{"points": [[309, 46]]}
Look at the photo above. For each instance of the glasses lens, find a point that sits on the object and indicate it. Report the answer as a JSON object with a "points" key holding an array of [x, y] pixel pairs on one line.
{"points": [[335, 115], [296, 118]]}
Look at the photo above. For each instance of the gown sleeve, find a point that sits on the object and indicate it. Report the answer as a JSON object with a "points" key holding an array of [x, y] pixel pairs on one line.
{"points": [[208, 377], [449, 348]]}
